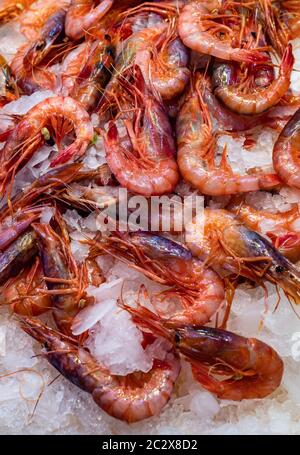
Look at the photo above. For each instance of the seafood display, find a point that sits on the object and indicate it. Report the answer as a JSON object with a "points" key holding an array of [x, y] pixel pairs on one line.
{"points": [[141, 145]]}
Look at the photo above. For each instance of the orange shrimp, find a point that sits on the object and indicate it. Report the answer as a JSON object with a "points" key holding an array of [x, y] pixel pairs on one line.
{"points": [[164, 66], [61, 116], [251, 368], [34, 18], [283, 228], [228, 246], [286, 152], [82, 16], [198, 29], [259, 99], [23, 294], [196, 149], [148, 165], [199, 289], [129, 398]]}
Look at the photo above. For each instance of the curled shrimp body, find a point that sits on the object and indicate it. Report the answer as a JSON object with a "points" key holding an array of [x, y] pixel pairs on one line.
{"points": [[283, 228], [130, 398], [60, 115], [225, 243], [259, 99], [286, 152], [82, 15], [8, 86], [198, 31], [34, 18], [199, 289], [252, 369], [165, 67], [148, 165], [196, 150]]}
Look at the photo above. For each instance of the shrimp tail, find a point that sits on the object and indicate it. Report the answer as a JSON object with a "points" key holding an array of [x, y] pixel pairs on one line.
{"points": [[288, 60], [74, 150]]}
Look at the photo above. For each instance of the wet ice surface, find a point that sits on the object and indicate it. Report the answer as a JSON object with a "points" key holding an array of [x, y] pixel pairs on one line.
{"points": [[34, 399]]}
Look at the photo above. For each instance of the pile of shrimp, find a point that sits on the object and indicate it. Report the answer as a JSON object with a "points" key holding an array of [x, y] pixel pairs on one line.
{"points": [[158, 93]]}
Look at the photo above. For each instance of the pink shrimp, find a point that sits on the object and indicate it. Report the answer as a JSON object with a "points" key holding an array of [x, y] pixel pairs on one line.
{"points": [[286, 152], [196, 149], [60, 115], [199, 31], [34, 18], [82, 15], [259, 99], [130, 398], [148, 165], [199, 290], [228, 365]]}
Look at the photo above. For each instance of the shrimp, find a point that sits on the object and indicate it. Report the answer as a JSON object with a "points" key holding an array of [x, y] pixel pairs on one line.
{"points": [[27, 64], [23, 294], [34, 18], [258, 99], [9, 9], [130, 398], [252, 369], [196, 148], [82, 16], [283, 228], [147, 166], [61, 271], [95, 74], [199, 31], [199, 289], [286, 152], [17, 255], [57, 115], [8, 86], [225, 118], [165, 66], [125, 59], [219, 238]]}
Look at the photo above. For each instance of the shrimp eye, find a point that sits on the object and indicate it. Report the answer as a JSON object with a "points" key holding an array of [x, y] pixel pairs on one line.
{"points": [[279, 269], [39, 46], [177, 338]]}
